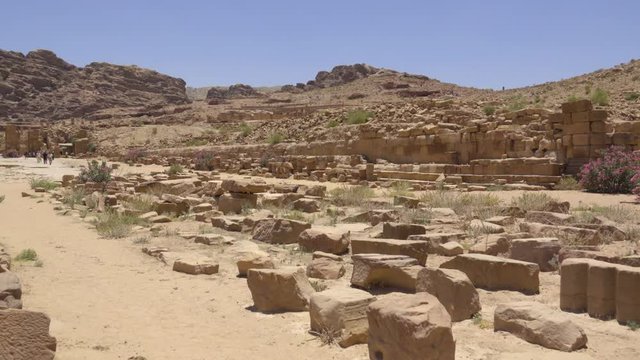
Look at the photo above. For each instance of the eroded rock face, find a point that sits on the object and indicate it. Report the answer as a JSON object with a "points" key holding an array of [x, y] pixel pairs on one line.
{"points": [[279, 290], [343, 313], [41, 86], [409, 327], [24, 335], [537, 324], [325, 268]]}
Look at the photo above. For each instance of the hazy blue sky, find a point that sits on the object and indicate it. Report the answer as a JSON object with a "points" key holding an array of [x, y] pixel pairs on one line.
{"points": [[260, 42]]}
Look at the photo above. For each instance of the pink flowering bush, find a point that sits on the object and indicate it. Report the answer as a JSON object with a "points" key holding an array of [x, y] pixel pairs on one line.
{"points": [[614, 172]]}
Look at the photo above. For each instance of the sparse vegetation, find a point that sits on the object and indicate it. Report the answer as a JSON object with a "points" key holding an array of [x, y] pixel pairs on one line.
{"points": [[326, 336], [113, 225], [275, 138], [245, 129], [482, 205], [43, 183], [1, 198], [633, 326], [27, 255], [358, 116], [318, 286], [72, 197], [175, 169], [516, 103], [400, 188], [196, 142], [480, 322], [142, 203], [489, 110], [633, 96], [568, 183], [38, 263], [600, 97], [532, 201], [333, 123], [415, 216], [351, 195]]}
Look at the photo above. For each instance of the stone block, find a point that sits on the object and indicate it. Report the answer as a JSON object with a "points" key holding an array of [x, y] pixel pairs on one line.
{"points": [[494, 273]]}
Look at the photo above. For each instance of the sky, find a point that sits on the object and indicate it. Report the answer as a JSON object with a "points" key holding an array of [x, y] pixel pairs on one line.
{"points": [[484, 44]]}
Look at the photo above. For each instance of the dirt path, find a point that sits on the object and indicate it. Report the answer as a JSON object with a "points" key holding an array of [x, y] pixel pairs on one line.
{"points": [[109, 301]]}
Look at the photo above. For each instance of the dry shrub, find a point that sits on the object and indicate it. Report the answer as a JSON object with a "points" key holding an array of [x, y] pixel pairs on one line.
{"points": [[351, 195], [465, 204], [532, 201]]}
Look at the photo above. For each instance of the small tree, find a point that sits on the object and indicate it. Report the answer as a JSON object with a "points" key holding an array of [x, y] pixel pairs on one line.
{"points": [[96, 172]]}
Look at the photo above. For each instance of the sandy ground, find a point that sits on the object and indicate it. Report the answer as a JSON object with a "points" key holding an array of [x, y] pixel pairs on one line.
{"points": [[107, 300]]}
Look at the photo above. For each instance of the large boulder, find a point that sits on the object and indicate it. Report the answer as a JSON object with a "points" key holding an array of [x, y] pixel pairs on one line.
{"points": [[24, 335], [253, 259], [453, 289], [279, 231], [236, 202], [10, 290], [279, 290], [376, 270], [414, 248], [542, 251], [495, 273], [325, 268], [409, 327], [342, 313], [537, 324], [325, 239]]}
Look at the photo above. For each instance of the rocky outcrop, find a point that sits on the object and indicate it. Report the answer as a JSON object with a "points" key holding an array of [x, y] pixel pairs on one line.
{"points": [[339, 75], [237, 91], [42, 86]]}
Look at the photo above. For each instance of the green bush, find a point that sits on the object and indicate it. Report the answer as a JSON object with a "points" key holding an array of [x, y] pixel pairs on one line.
{"points": [[275, 138], [333, 123], [632, 96], [1, 198], [489, 110], [27, 255], [175, 169], [44, 183], [95, 172], [358, 116], [245, 129], [517, 103], [600, 97]]}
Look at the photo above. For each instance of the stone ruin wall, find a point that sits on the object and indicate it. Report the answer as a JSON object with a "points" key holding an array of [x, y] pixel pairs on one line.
{"points": [[535, 147]]}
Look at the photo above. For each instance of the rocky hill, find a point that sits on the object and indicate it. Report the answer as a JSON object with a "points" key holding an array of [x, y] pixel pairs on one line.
{"points": [[41, 86]]}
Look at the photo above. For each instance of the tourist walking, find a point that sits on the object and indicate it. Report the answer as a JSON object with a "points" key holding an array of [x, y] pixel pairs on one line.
{"points": [[50, 159], [44, 157]]}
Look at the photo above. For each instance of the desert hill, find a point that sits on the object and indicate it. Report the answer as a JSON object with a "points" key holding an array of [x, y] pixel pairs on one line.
{"points": [[41, 86]]}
